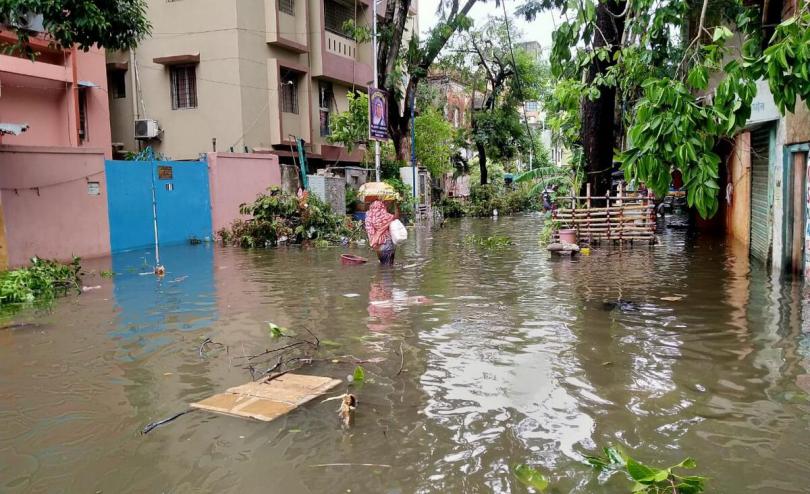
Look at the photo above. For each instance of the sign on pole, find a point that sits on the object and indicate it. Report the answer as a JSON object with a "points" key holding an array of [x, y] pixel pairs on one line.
{"points": [[378, 114]]}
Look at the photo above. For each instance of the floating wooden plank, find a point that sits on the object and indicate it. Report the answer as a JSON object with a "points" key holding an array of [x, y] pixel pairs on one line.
{"points": [[266, 400]]}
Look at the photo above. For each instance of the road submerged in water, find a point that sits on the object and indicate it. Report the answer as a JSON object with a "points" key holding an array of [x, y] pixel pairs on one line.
{"points": [[509, 357]]}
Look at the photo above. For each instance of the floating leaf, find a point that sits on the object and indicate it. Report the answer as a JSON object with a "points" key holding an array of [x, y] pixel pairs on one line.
{"points": [[330, 343], [640, 472], [359, 375], [531, 477], [276, 331]]}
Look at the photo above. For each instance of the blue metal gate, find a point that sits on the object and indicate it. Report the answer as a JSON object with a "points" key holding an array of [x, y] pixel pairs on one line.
{"points": [[182, 200]]}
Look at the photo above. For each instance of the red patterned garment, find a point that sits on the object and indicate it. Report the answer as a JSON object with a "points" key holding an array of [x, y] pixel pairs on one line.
{"points": [[378, 219]]}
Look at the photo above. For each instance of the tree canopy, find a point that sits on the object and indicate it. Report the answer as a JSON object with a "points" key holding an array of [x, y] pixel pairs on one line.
{"points": [[683, 75], [111, 24]]}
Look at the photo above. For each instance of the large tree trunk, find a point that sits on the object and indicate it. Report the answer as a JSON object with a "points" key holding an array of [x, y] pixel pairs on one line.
{"points": [[598, 117], [482, 162]]}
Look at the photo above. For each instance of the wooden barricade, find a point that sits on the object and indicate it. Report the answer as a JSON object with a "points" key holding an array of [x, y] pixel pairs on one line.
{"points": [[620, 218]]}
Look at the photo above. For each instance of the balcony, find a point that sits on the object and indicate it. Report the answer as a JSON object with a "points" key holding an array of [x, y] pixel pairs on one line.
{"points": [[340, 46]]}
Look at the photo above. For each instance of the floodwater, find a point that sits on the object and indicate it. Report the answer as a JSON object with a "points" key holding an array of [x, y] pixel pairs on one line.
{"points": [[514, 358]]}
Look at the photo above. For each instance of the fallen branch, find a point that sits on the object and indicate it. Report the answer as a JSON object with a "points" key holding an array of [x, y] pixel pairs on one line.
{"points": [[209, 341], [402, 361], [153, 425]]}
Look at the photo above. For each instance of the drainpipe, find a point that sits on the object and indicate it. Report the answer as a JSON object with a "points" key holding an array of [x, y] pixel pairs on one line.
{"points": [[134, 84], [75, 74], [413, 144]]}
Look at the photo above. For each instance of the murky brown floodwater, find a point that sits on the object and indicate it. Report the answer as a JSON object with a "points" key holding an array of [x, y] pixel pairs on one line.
{"points": [[516, 360]]}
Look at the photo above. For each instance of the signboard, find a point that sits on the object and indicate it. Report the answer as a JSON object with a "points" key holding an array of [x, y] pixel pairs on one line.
{"points": [[763, 109], [377, 114], [165, 173]]}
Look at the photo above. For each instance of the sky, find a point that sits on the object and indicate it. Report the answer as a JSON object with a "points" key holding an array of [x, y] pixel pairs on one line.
{"points": [[538, 30]]}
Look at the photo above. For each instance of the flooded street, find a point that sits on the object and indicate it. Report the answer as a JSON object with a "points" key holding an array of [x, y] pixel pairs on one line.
{"points": [[511, 357]]}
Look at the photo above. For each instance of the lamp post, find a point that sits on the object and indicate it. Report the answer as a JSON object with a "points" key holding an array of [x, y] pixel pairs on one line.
{"points": [[374, 56]]}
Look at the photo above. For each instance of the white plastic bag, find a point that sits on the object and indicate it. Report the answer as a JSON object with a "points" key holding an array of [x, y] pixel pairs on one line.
{"points": [[398, 232]]}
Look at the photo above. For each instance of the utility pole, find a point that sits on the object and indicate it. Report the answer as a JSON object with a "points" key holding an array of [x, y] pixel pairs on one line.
{"points": [[374, 56]]}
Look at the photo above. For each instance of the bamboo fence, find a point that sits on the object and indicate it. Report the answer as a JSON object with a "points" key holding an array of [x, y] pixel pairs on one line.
{"points": [[618, 219]]}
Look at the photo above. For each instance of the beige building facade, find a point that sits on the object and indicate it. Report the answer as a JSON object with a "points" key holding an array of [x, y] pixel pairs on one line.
{"points": [[251, 75]]}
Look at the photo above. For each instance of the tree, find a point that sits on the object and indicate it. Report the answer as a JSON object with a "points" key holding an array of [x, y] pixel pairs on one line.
{"points": [[350, 128], [395, 65], [434, 141], [508, 78], [658, 71], [111, 24]]}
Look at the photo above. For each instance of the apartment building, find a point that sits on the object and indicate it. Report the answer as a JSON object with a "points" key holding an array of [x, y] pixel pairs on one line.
{"points": [[244, 74]]}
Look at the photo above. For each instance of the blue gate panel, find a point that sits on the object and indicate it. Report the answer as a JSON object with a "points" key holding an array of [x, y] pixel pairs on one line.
{"points": [[129, 196], [182, 199], [183, 202]]}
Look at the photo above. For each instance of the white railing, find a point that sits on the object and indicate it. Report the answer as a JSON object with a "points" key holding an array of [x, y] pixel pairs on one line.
{"points": [[341, 46]]}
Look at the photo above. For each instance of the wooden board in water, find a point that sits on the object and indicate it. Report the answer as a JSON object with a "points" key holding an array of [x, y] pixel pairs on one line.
{"points": [[268, 400]]}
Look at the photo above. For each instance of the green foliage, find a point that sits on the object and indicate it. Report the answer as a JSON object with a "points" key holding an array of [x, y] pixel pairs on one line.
{"points": [[662, 81], [359, 375], [114, 25], [434, 140], [531, 477], [568, 179], [406, 203], [43, 280], [484, 199], [278, 218], [786, 61], [360, 34], [647, 479], [493, 242], [451, 208], [547, 232], [107, 274], [350, 128], [276, 331]]}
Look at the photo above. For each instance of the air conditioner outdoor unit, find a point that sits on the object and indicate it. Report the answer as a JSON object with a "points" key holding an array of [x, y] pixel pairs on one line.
{"points": [[146, 129]]}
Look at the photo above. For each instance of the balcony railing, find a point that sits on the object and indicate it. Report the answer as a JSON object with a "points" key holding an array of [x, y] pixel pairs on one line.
{"points": [[340, 45]]}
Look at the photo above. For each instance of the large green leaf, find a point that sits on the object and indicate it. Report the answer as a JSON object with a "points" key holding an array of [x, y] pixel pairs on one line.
{"points": [[531, 477]]}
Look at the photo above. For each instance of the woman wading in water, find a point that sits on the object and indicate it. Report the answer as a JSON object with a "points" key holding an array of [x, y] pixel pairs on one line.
{"points": [[378, 221]]}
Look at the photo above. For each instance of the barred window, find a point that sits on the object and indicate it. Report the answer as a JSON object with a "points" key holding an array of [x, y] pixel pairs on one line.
{"points": [[287, 6], [184, 86], [335, 15], [289, 91], [83, 115]]}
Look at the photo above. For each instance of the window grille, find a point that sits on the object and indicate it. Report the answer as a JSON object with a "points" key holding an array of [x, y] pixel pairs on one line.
{"points": [[184, 86]]}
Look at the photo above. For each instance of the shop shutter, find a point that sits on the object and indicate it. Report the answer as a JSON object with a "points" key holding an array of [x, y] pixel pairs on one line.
{"points": [[760, 207]]}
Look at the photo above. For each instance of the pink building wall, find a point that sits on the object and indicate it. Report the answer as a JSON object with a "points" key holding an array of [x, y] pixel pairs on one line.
{"points": [[47, 209], [237, 178], [41, 94]]}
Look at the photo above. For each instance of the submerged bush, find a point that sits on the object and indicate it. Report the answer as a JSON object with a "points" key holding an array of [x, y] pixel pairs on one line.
{"points": [[41, 281], [279, 218], [484, 199]]}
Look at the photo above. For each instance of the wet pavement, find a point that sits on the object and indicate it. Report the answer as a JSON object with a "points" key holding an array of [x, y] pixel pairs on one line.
{"points": [[509, 357]]}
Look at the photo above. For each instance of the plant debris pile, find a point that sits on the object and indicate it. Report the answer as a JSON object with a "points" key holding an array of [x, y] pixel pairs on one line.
{"points": [[278, 218], [43, 280], [484, 199]]}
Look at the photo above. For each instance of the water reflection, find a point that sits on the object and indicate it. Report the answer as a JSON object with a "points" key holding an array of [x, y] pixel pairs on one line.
{"points": [[477, 359]]}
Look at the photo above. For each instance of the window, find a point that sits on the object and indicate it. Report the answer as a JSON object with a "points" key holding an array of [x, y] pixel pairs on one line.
{"points": [[289, 91], [335, 15], [117, 82], [184, 86], [532, 106], [83, 115], [287, 6], [325, 98]]}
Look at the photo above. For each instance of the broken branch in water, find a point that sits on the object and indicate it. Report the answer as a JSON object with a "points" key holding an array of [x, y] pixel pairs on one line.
{"points": [[402, 360], [209, 341], [153, 425]]}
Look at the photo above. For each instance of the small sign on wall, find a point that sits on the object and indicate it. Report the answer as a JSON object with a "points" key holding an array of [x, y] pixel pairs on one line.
{"points": [[165, 173], [93, 189]]}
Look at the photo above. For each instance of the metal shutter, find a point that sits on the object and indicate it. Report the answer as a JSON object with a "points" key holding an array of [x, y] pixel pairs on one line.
{"points": [[760, 207]]}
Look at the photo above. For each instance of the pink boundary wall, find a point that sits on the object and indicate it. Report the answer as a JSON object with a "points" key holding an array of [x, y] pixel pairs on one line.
{"points": [[237, 178], [48, 211]]}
